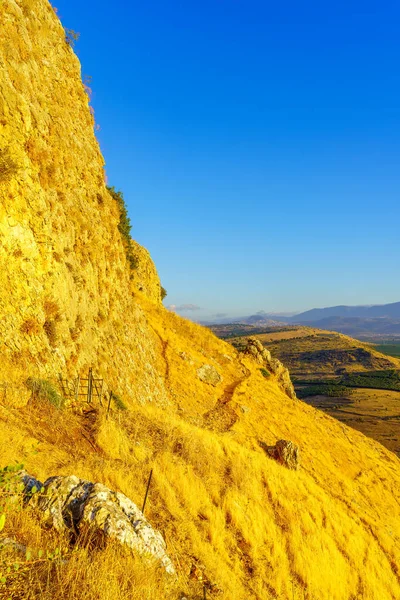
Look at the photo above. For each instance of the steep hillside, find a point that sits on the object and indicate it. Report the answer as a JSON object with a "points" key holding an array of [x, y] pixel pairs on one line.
{"points": [[309, 352], [196, 411]]}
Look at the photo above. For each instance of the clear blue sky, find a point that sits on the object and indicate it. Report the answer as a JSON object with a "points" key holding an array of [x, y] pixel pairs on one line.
{"points": [[257, 144]]}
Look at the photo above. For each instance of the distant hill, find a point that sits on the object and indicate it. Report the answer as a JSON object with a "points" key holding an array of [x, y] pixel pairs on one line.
{"points": [[391, 311], [357, 321], [359, 327]]}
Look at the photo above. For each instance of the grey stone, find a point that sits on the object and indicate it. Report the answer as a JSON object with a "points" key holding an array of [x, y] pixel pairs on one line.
{"points": [[209, 374], [12, 546], [263, 357], [285, 452], [79, 505]]}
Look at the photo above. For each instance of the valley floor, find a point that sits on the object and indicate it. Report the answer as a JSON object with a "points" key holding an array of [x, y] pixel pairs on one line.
{"points": [[376, 413]]}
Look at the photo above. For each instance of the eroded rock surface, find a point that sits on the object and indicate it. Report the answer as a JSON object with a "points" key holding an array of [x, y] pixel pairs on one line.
{"points": [[285, 452], [209, 374], [263, 357], [76, 504]]}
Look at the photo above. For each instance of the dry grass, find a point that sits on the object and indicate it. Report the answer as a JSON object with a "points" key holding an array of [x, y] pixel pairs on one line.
{"points": [[77, 572], [31, 326], [260, 530]]}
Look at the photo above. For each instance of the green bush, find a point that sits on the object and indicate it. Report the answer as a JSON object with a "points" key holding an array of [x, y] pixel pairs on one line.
{"points": [[124, 226], [382, 380], [71, 37], [332, 390], [119, 403], [265, 373], [163, 293], [44, 390]]}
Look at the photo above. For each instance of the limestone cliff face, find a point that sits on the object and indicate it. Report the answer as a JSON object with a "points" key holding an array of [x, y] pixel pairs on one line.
{"points": [[263, 356], [66, 300], [146, 278]]}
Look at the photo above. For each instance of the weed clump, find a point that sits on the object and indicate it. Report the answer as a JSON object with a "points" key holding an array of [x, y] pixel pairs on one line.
{"points": [[50, 330], [124, 227], [119, 403], [43, 390], [30, 326], [71, 37], [163, 293], [265, 373]]}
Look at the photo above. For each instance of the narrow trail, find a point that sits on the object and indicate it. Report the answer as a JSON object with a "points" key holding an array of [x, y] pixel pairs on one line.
{"points": [[223, 416], [164, 347], [89, 427]]}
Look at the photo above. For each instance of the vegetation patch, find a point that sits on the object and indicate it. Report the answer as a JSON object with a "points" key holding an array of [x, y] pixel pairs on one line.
{"points": [[119, 403], [265, 373], [124, 227], [382, 380], [30, 326], [50, 329], [71, 37], [333, 390], [389, 349], [43, 390]]}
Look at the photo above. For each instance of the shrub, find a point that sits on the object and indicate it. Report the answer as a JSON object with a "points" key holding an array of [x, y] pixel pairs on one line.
{"points": [[51, 309], [119, 403], [44, 390], [124, 227], [163, 293], [332, 390], [51, 332], [8, 167], [30, 326], [265, 373], [71, 37]]}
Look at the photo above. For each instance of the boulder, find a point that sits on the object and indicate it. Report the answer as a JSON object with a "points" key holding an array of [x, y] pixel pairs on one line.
{"points": [[285, 452], [82, 506], [263, 356], [209, 374], [12, 547]]}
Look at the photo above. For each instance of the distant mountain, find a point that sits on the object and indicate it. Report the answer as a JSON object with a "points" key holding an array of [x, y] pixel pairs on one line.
{"points": [[358, 327], [357, 321], [391, 311]]}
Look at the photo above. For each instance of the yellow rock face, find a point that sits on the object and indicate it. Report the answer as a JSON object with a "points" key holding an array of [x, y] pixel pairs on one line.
{"points": [[66, 301], [329, 531]]}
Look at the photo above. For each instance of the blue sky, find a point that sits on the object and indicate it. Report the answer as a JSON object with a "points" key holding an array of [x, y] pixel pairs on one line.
{"points": [[257, 145]]}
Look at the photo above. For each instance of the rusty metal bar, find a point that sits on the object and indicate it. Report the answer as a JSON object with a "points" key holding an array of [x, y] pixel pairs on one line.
{"points": [[147, 490]]}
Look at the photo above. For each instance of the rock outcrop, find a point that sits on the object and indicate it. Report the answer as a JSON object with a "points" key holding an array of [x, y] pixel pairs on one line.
{"points": [[146, 279], [79, 505], [209, 374], [263, 357], [285, 452], [64, 271]]}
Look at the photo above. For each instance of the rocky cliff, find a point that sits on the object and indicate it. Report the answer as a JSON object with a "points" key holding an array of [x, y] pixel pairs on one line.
{"points": [[234, 518], [65, 281]]}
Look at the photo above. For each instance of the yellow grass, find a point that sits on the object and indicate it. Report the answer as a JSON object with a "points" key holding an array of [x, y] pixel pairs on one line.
{"points": [[329, 531]]}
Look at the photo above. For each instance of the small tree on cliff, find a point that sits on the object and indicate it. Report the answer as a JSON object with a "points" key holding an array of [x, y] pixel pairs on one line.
{"points": [[124, 226]]}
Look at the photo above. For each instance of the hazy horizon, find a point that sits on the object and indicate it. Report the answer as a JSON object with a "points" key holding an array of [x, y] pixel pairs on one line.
{"points": [[199, 314]]}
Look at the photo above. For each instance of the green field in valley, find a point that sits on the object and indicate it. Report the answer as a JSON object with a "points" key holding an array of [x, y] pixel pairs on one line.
{"points": [[389, 349]]}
